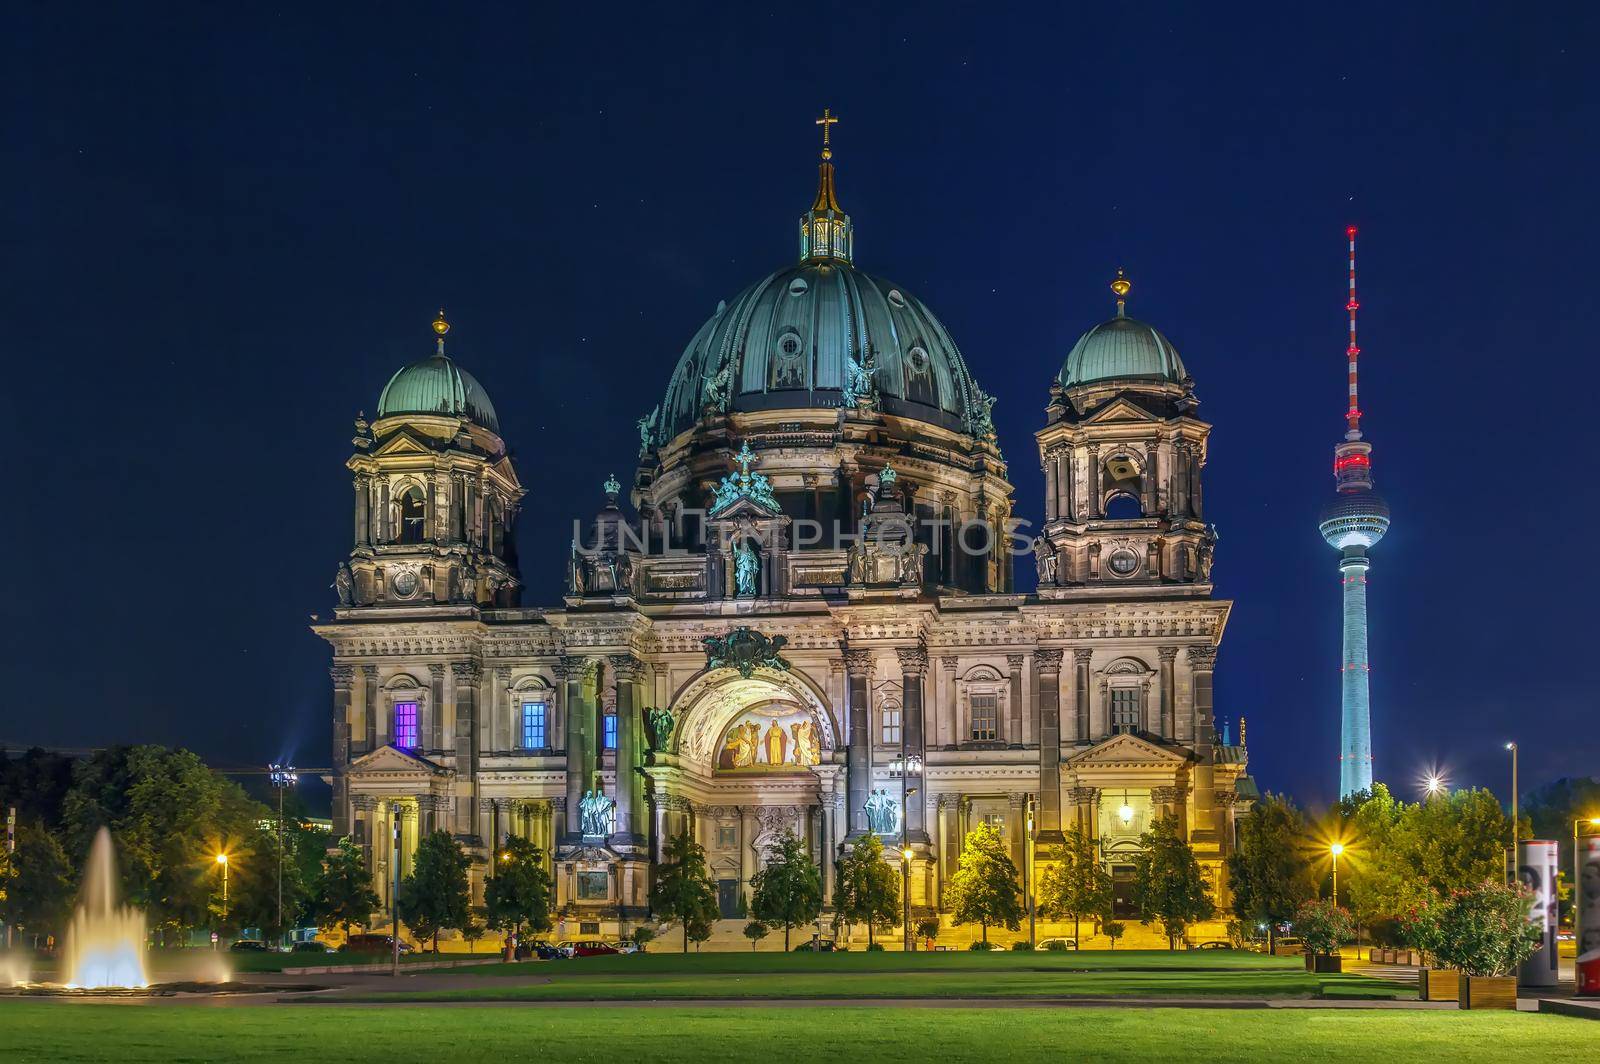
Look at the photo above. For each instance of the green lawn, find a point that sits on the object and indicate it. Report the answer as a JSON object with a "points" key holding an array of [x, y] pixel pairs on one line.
{"points": [[64, 1032], [665, 976]]}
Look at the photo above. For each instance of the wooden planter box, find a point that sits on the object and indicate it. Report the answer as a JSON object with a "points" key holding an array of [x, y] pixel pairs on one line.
{"points": [[1489, 992], [1383, 956], [1327, 963], [1438, 984]]}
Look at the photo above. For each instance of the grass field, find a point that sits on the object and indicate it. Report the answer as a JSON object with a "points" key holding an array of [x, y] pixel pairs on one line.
{"points": [[65, 1032], [667, 976]]}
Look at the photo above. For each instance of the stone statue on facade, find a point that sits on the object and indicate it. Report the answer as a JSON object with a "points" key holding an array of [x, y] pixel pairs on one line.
{"points": [[745, 649], [1206, 551], [659, 723], [344, 585], [1044, 558], [594, 813], [883, 814], [860, 388], [746, 570], [647, 430], [719, 388], [980, 416]]}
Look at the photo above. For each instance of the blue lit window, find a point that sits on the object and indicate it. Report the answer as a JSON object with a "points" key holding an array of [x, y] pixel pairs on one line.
{"points": [[610, 741], [405, 725], [533, 723]]}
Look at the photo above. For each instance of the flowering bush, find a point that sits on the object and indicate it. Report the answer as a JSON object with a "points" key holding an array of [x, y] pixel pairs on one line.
{"points": [[1484, 930], [1419, 926], [1322, 926]]}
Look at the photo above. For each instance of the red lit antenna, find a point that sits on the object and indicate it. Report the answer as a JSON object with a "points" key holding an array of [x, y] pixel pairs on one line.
{"points": [[1352, 416]]}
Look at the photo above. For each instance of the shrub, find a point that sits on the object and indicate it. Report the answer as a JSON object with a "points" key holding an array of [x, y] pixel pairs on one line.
{"points": [[928, 928], [1484, 930], [642, 937], [1322, 925], [1020, 945], [1055, 945], [874, 947], [981, 945]]}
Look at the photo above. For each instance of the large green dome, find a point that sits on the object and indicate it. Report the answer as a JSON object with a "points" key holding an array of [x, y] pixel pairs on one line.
{"points": [[1122, 349], [784, 341], [436, 385]]}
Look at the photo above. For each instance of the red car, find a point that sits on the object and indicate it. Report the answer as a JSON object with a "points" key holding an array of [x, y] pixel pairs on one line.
{"points": [[590, 947]]}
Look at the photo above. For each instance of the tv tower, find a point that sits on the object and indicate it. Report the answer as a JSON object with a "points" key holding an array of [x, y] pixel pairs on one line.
{"points": [[1353, 522]]}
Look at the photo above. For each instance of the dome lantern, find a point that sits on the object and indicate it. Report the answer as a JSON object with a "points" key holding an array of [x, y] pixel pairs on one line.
{"points": [[826, 233]]}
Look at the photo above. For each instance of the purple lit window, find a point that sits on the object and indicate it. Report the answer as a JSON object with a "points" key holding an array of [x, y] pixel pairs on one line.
{"points": [[405, 725]]}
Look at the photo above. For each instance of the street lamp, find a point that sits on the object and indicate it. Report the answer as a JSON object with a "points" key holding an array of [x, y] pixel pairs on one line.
{"points": [[1433, 785], [1336, 849], [906, 765], [1577, 907], [222, 859], [282, 777], [1511, 871]]}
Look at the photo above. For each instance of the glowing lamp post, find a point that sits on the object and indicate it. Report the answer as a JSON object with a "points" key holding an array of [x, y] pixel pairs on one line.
{"points": [[1336, 849], [906, 766], [282, 777], [222, 859], [1511, 872], [1433, 786]]}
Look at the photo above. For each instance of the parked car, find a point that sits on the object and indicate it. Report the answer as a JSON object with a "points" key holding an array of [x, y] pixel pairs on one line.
{"points": [[1288, 946], [589, 947], [248, 945], [313, 946], [626, 946], [1215, 945], [817, 945], [1056, 945], [373, 944]]}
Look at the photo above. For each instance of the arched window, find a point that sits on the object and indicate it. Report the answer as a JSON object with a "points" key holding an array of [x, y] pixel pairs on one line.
{"points": [[411, 514], [1123, 506]]}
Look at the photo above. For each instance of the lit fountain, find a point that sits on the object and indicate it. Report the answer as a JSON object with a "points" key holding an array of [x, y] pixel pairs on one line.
{"points": [[105, 941]]}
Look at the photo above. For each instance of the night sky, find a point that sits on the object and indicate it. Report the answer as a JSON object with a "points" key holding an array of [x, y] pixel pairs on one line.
{"points": [[227, 227]]}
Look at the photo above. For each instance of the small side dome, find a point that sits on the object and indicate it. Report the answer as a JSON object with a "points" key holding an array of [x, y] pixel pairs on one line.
{"points": [[436, 385], [1122, 349]]}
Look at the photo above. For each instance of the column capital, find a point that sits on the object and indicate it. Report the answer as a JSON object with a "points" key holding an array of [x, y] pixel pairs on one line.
{"points": [[1202, 658], [570, 667], [948, 663], [626, 666], [1016, 798], [502, 675], [1167, 654], [658, 668], [436, 670], [1166, 795], [1049, 658], [1081, 655], [343, 676], [1083, 795], [369, 671], [366, 803], [1014, 662], [913, 659], [858, 662], [465, 672]]}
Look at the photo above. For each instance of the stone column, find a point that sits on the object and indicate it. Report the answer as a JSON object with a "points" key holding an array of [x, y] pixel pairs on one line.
{"points": [[1147, 483], [1017, 822], [858, 757], [913, 674], [369, 693], [831, 811], [658, 673], [1094, 480], [1196, 505], [1202, 663], [501, 728], [465, 675], [430, 730], [1168, 723], [363, 518], [1052, 485], [630, 796], [1048, 827], [385, 533], [658, 826], [1014, 663], [747, 840], [363, 806], [942, 867], [571, 671], [1083, 801], [945, 709], [343, 676], [1082, 709]]}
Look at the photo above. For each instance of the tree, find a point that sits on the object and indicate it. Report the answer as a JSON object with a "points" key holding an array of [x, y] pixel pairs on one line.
{"points": [[253, 896], [683, 892], [1114, 929], [1483, 930], [788, 891], [1322, 926], [928, 929], [1269, 873], [36, 785], [437, 895], [642, 937], [1078, 885], [517, 897], [36, 889], [755, 931], [343, 894], [1168, 884], [868, 890], [983, 889]]}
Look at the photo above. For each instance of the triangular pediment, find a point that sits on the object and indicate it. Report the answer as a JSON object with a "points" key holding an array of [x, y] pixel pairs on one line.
{"points": [[1123, 750], [402, 442], [1120, 409], [389, 760], [745, 506]]}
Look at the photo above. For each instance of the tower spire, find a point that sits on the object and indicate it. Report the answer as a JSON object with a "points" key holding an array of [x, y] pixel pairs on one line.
{"points": [[1121, 286], [825, 230], [440, 328], [1352, 415]]}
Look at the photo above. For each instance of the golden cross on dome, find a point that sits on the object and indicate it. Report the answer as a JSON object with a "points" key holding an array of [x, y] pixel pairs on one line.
{"points": [[828, 119]]}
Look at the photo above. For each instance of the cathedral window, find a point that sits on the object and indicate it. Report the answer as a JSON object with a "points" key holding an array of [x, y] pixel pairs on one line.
{"points": [[1124, 709], [985, 718], [1123, 507], [405, 725], [593, 886], [412, 514], [725, 839], [533, 726], [609, 741], [890, 715], [996, 821]]}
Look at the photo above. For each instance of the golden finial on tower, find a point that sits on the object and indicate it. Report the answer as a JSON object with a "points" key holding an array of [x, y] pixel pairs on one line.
{"points": [[1121, 286], [828, 119], [440, 327]]}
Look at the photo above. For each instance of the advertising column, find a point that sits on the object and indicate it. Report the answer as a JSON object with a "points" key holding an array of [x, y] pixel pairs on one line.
{"points": [[1536, 866], [1587, 902]]}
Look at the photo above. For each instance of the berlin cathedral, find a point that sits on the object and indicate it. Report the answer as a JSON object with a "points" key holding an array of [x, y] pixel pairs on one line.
{"points": [[798, 618]]}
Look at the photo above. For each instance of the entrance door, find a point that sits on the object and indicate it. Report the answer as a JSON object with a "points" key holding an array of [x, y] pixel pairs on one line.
{"points": [[1122, 906], [728, 898]]}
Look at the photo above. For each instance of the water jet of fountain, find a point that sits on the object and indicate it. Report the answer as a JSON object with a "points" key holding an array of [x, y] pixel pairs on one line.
{"points": [[105, 941]]}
